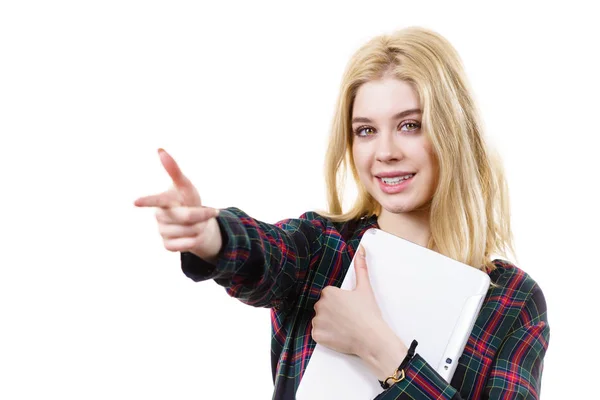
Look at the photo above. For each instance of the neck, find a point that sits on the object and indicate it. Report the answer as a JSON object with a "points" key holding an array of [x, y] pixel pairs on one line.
{"points": [[412, 226]]}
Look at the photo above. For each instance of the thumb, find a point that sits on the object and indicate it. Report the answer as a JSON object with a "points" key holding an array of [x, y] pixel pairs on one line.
{"points": [[362, 273], [183, 185]]}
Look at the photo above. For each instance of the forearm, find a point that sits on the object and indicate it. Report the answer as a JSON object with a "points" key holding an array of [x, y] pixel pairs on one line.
{"points": [[381, 350], [259, 263]]}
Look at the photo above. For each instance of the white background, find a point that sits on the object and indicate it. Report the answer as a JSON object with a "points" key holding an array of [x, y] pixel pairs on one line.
{"points": [[242, 94]]}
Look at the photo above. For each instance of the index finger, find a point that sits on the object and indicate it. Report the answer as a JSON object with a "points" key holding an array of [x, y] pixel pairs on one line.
{"points": [[179, 180], [167, 199]]}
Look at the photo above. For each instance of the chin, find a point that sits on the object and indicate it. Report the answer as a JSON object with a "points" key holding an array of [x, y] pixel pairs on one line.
{"points": [[397, 208], [407, 206], [394, 206]]}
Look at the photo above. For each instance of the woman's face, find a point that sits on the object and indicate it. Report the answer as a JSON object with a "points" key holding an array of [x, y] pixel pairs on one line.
{"points": [[391, 153]]}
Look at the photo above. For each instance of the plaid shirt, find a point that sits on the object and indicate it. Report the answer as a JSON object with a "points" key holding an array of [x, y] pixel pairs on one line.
{"points": [[284, 266]]}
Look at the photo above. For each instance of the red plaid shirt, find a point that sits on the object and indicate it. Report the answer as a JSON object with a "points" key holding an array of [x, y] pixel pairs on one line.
{"points": [[284, 266]]}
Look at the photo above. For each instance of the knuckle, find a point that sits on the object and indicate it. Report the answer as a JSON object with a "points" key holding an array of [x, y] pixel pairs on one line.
{"points": [[202, 214], [198, 237], [317, 333], [187, 215], [315, 330], [170, 245], [192, 243], [178, 245], [198, 231], [167, 231], [317, 306], [163, 216]]}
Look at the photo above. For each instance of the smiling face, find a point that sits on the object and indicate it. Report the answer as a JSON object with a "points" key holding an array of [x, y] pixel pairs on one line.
{"points": [[391, 152]]}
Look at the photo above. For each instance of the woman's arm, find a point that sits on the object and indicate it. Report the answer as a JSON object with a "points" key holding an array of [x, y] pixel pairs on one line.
{"points": [[261, 264], [515, 374], [517, 371]]}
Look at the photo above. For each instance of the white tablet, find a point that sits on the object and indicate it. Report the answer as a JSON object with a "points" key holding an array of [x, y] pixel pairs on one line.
{"points": [[422, 295]]}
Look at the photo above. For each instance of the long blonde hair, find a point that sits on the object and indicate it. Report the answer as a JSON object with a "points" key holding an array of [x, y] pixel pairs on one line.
{"points": [[470, 213]]}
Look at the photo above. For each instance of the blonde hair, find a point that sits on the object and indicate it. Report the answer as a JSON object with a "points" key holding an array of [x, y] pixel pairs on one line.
{"points": [[470, 214]]}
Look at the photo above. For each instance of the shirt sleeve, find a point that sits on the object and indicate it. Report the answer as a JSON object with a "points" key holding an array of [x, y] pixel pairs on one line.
{"points": [[421, 382], [260, 264], [515, 374]]}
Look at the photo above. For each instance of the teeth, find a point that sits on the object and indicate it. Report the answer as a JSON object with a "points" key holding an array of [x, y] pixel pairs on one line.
{"points": [[396, 180]]}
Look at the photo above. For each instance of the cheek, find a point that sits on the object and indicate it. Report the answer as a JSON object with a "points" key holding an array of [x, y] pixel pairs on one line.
{"points": [[428, 157], [360, 159]]}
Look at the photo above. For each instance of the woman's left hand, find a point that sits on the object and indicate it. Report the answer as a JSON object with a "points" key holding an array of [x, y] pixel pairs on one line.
{"points": [[347, 320]]}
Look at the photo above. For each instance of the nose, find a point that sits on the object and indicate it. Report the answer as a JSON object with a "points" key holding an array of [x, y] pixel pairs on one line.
{"points": [[387, 148]]}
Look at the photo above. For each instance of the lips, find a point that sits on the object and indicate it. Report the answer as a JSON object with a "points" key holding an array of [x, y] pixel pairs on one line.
{"points": [[397, 179], [393, 174], [395, 184]]}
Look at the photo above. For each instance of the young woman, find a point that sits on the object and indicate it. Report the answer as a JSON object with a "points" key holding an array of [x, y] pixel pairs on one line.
{"points": [[408, 130]]}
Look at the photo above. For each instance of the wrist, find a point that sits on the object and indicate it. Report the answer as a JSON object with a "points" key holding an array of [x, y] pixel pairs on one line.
{"points": [[382, 350]]}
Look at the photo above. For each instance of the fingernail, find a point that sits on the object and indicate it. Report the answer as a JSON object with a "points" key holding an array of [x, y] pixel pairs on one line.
{"points": [[361, 251], [161, 150]]}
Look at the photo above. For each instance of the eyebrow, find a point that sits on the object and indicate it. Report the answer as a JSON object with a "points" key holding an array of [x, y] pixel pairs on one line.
{"points": [[397, 116]]}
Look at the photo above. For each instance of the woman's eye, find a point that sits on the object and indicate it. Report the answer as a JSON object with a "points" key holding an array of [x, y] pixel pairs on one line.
{"points": [[410, 126], [365, 131]]}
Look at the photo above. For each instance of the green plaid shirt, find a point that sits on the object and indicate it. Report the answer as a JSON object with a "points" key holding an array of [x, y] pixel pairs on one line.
{"points": [[284, 267]]}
